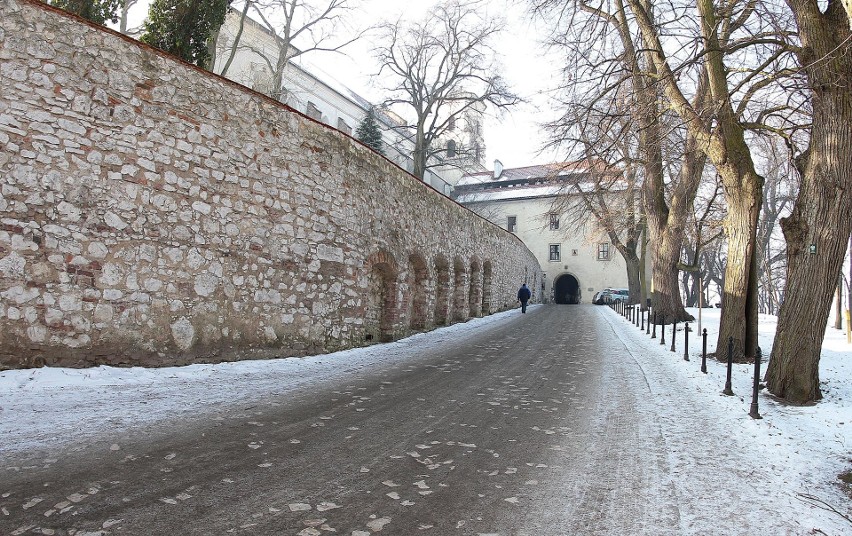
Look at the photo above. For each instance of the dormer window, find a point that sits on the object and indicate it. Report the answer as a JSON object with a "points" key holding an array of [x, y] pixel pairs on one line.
{"points": [[451, 149]]}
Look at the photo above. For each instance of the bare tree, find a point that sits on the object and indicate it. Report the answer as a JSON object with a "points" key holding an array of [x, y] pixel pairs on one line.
{"points": [[237, 37], [125, 9], [299, 27], [608, 75], [441, 69], [779, 194], [817, 231], [733, 31], [703, 232]]}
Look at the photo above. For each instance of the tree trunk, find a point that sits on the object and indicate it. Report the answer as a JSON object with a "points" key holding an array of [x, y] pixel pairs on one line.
{"points": [[236, 38], [643, 271], [420, 153], [211, 50], [822, 216], [739, 297], [631, 261], [664, 265]]}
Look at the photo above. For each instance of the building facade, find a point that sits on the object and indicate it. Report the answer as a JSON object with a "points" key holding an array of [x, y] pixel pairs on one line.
{"points": [[533, 203], [323, 98]]}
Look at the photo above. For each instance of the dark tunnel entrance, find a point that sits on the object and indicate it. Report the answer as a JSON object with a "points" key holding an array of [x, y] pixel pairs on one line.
{"points": [[566, 289]]}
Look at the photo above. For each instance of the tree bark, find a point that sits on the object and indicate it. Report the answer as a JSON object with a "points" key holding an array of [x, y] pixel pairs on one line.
{"points": [[822, 216], [421, 152]]}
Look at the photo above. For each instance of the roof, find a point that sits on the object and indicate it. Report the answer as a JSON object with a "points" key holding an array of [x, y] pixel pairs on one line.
{"points": [[531, 182], [541, 171]]}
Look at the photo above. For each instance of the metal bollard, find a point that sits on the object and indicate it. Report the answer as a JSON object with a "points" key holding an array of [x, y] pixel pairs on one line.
{"points": [[674, 334], [704, 352], [686, 342], [727, 390], [654, 335], [663, 330], [752, 412], [648, 326], [642, 317]]}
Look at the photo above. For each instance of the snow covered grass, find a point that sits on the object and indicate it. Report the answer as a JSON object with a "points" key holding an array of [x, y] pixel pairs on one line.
{"points": [[795, 455]]}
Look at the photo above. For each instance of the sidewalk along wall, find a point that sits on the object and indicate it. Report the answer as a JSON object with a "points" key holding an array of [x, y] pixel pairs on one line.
{"points": [[152, 213]]}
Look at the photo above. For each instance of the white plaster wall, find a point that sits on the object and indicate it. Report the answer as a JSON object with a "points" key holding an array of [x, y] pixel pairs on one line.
{"points": [[533, 229]]}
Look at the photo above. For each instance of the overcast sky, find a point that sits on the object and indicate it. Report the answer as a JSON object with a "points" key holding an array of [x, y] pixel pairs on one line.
{"points": [[515, 138]]}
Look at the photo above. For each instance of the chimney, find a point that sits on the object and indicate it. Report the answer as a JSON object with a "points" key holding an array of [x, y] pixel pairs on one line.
{"points": [[498, 168]]}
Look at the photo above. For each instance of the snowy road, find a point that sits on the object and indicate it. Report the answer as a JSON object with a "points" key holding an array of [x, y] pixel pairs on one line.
{"points": [[539, 424]]}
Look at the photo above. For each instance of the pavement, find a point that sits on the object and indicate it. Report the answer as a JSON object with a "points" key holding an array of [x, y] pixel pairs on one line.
{"points": [[541, 424]]}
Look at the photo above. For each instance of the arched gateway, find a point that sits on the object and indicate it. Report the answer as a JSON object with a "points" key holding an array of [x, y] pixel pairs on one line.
{"points": [[566, 289]]}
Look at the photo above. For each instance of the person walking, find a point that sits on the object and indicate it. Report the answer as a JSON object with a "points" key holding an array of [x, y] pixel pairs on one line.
{"points": [[524, 295]]}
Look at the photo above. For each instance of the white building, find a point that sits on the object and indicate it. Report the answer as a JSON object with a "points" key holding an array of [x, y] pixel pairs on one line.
{"points": [[577, 262], [324, 99]]}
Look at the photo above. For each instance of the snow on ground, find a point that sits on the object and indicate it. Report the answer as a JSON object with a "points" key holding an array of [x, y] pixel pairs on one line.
{"points": [[787, 463], [802, 449]]}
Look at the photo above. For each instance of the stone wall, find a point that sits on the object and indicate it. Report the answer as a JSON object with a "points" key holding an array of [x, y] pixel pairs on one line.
{"points": [[152, 213]]}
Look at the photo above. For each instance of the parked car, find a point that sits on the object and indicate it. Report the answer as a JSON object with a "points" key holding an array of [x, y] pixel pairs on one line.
{"points": [[617, 295], [598, 298]]}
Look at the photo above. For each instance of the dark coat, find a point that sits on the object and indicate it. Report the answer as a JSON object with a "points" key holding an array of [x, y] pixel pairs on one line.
{"points": [[524, 294]]}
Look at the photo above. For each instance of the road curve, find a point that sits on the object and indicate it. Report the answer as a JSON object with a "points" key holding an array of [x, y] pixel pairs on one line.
{"points": [[533, 425]]}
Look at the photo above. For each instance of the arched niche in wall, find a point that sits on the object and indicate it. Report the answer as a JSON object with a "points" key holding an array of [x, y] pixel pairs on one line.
{"points": [[442, 290], [475, 289], [381, 310], [418, 289], [460, 289]]}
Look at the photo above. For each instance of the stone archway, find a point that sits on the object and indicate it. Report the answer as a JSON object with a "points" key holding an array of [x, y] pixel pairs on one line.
{"points": [[380, 314], [566, 289]]}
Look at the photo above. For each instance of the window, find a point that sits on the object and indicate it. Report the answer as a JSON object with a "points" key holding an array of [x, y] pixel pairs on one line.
{"points": [[512, 224], [603, 251], [554, 222], [343, 127], [451, 123], [451, 149], [554, 252], [313, 112]]}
